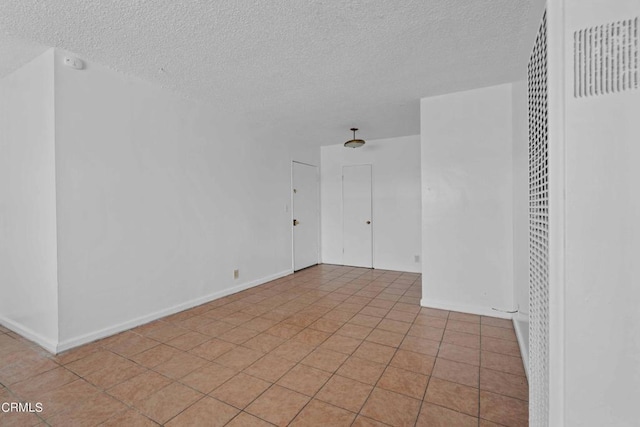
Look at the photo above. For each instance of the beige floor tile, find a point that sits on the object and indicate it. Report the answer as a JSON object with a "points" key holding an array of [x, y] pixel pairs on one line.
{"points": [[503, 410], [318, 413], [207, 411], [166, 332], [458, 353], [462, 339], [283, 330], [214, 328], [76, 353], [264, 342], [344, 392], [240, 390], [134, 344], [335, 341], [456, 372], [496, 345], [362, 421], [188, 341], [65, 397], [412, 361], [238, 335], [168, 402], [402, 316], [434, 322], [364, 320], [354, 331], [155, 356], [19, 419], [374, 311], [391, 408], [361, 370], [293, 350], [115, 373], [375, 352], [239, 358], [502, 362], [278, 405], [247, 420], [304, 379], [499, 332], [212, 349], [404, 382], [420, 345], [391, 325], [341, 344], [391, 339], [434, 312], [208, 377], [464, 317], [454, 396], [426, 332], [129, 418], [327, 360], [326, 325], [92, 411], [139, 387], [311, 337], [438, 416], [93, 362], [32, 388], [462, 326], [504, 383], [270, 368], [180, 365], [259, 324], [494, 321]]}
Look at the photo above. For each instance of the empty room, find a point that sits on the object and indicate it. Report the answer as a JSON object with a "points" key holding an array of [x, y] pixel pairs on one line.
{"points": [[319, 213]]}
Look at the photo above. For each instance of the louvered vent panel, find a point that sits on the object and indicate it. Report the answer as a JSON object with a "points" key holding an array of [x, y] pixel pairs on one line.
{"points": [[538, 231], [605, 59]]}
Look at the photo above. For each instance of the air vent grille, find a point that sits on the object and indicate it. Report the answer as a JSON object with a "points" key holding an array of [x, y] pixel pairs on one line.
{"points": [[539, 231], [605, 59]]}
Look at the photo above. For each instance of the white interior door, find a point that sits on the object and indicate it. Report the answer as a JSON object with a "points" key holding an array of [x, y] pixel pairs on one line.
{"points": [[356, 211], [306, 220]]}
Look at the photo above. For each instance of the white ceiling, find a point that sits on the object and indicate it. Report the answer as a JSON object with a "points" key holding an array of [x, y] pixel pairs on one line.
{"points": [[293, 68]]}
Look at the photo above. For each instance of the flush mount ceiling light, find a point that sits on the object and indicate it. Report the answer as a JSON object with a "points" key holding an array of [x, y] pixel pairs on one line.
{"points": [[354, 143]]}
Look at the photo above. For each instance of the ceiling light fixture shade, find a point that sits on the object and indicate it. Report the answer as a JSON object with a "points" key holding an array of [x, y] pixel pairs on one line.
{"points": [[354, 143]]}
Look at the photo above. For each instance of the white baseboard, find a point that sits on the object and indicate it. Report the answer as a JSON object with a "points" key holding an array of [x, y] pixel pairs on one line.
{"points": [[522, 336], [464, 308], [43, 342], [112, 330]]}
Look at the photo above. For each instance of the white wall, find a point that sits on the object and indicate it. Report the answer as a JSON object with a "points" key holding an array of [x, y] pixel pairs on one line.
{"points": [[396, 200], [601, 282], [159, 200], [467, 228], [520, 169], [28, 286]]}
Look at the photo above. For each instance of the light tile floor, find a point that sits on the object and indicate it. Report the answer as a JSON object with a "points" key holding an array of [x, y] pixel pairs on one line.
{"points": [[329, 345]]}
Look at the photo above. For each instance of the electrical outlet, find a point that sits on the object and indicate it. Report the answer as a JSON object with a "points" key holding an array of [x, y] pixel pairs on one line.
{"points": [[236, 274], [416, 258]]}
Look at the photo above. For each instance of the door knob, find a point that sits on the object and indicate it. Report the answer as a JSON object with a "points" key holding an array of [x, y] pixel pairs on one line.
{"points": [[368, 222], [295, 222]]}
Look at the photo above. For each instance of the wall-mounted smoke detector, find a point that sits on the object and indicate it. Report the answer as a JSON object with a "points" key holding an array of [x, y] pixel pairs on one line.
{"points": [[73, 62]]}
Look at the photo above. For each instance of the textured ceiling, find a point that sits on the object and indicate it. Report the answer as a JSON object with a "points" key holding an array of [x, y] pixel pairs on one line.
{"points": [[291, 68], [14, 53]]}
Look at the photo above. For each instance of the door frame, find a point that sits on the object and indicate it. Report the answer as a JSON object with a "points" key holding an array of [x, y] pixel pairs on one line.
{"points": [[291, 212], [373, 224]]}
